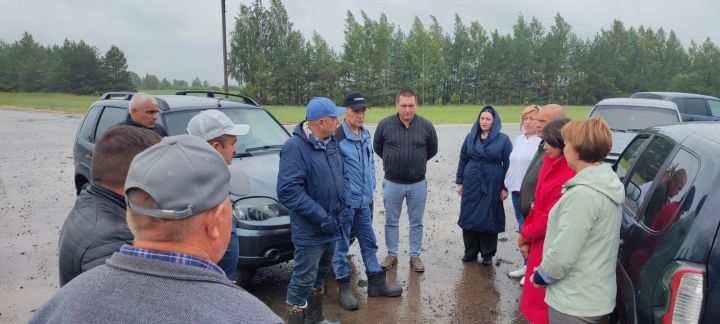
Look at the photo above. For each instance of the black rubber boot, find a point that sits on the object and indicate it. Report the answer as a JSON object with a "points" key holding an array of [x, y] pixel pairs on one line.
{"points": [[296, 315], [314, 311], [378, 286], [347, 300]]}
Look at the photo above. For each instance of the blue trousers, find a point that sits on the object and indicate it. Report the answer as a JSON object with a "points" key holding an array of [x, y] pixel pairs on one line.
{"points": [[518, 214], [229, 261], [312, 262], [415, 196], [361, 222]]}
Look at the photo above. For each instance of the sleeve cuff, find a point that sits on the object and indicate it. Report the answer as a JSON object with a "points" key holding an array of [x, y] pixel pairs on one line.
{"points": [[541, 275]]}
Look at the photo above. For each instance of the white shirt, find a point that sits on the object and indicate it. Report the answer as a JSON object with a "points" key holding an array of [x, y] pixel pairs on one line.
{"points": [[523, 151]]}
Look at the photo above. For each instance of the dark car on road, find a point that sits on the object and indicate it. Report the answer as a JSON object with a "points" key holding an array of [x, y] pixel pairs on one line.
{"points": [[263, 224], [692, 107], [627, 117], [668, 268]]}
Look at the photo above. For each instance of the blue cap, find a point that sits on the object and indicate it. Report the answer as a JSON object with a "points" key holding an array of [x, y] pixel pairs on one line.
{"points": [[320, 107]]}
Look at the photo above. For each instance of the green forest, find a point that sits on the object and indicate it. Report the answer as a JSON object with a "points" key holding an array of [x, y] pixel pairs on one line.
{"points": [[467, 65]]}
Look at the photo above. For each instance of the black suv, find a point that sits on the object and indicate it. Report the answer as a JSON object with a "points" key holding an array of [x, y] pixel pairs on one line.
{"points": [[263, 223], [692, 107], [668, 267]]}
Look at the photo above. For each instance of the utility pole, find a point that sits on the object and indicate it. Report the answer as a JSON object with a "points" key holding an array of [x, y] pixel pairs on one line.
{"points": [[225, 55]]}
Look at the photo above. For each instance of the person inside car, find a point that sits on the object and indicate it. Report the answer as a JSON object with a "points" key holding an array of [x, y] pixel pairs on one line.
{"points": [[96, 226], [144, 112]]}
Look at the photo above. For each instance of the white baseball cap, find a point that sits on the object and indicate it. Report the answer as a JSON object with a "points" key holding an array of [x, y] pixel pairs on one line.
{"points": [[212, 123]]}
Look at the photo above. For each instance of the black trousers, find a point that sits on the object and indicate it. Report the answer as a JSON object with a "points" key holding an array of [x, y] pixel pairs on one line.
{"points": [[483, 243]]}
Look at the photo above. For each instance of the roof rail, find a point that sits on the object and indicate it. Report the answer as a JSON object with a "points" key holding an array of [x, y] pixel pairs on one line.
{"points": [[117, 95], [211, 94]]}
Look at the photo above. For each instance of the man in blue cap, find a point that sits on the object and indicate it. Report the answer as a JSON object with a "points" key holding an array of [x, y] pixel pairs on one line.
{"points": [[311, 185]]}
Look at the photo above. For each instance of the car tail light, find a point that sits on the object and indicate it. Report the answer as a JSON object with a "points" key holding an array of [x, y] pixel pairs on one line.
{"points": [[686, 294]]}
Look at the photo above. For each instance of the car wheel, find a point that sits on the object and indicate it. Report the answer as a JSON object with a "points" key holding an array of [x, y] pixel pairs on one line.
{"points": [[244, 276]]}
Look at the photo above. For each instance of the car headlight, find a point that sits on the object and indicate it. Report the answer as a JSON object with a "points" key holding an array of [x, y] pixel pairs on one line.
{"points": [[258, 209]]}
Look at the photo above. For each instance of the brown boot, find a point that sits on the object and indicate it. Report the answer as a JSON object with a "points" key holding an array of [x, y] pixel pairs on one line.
{"points": [[416, 264], [378, 286], [314, 312], [296, 314], [389, 262]]}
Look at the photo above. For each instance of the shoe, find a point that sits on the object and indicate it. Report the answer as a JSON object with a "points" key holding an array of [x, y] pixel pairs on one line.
{"points": [[487, 260], [314, 312], [378, 286], [522, 281], [389, 262], [296, 314], [467, 258], [347, 300], [517, 274], [416, 264]]}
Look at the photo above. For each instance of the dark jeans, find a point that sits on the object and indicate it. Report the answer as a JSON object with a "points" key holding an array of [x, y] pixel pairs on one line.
{"points": [[312, 262], [518, 213], [229, 261], [362, 224], [477, 242]]}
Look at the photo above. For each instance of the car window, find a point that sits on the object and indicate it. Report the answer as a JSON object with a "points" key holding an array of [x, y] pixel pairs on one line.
{"points": [[630, 156], [111, 116], [264, 131], [714, 107], [644, 171], [692, 106], [673, 183], [87, 129], [634, 118]]}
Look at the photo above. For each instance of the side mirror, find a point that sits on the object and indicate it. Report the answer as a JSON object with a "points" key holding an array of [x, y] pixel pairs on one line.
{"points": [[632, 191]]}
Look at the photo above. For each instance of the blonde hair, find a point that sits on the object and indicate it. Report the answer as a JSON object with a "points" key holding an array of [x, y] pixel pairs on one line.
{"points": [[529, 109], [590, 138]]}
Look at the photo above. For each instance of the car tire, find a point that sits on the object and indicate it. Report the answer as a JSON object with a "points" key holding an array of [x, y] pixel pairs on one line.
{"points": [[244, 276]]}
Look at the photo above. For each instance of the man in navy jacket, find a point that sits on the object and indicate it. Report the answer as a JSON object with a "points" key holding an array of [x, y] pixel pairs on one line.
{"points": [[311, 185]]}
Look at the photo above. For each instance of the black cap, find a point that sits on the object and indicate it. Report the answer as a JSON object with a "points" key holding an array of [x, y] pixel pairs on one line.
{"points": [[354, 101]]}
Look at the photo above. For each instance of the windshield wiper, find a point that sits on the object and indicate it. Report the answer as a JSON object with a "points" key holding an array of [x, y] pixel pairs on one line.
{"points": [[635, 130], [263, 148], [618, 130], [241, 154]]}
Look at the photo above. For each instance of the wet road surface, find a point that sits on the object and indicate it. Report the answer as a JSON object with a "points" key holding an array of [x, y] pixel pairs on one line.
{"points": [[36, 193]]}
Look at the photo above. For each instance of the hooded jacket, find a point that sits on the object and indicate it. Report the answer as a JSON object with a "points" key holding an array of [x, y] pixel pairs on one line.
{"points": [[481, 170], [359, 161], [581, 244], [311, 185]]}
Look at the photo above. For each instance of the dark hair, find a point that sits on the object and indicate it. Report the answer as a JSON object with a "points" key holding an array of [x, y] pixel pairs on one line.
{"points": [[406, 93], [552, 133], [220, 139], [115, 150], [489, 109]]}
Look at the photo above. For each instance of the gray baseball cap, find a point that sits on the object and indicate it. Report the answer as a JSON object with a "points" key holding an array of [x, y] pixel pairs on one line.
{"points": [[183, 174], [212, 123]]}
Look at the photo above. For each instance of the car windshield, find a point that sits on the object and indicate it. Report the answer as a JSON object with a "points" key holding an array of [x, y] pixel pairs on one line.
{"points": [[265, 134], [634, 118]]}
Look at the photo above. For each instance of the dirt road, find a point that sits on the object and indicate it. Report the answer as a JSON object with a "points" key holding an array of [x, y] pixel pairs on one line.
{"points": [[36, 193]]}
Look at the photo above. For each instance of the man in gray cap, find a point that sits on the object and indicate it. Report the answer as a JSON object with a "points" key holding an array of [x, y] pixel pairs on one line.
{"points": [[311, 185], [180, 215], [221, 133]]}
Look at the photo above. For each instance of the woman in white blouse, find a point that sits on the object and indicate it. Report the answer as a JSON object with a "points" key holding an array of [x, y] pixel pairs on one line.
{"points": [[524, 149]]}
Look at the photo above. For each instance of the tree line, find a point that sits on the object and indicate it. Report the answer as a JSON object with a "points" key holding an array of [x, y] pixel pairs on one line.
{"points": [[469, 65], [78, 68]]}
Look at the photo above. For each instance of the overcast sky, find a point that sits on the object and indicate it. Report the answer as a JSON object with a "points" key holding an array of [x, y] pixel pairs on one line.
{"points": [[182, 39]]}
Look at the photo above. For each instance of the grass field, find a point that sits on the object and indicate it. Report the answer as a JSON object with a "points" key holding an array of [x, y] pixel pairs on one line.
{"points": [[464, 114]]}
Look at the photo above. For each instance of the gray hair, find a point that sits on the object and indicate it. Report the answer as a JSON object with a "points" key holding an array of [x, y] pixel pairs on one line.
{"points": [[139, 99]]}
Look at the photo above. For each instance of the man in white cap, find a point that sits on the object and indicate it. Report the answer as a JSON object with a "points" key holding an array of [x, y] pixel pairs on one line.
{"points": [[179, 213], [221, 133]]}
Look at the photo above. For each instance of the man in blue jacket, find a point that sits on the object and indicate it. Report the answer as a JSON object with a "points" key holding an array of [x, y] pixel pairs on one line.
{"points": [[311, 185], [356, 148]]}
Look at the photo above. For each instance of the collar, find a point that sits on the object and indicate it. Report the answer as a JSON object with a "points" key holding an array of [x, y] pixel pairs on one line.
{"points": [[397, 117], [316, 142], [352, 136], [171, 257], [100, 191]]}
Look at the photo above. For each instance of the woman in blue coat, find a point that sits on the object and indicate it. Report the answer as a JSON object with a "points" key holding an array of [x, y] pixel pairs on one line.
{"points": [[484, 161]]}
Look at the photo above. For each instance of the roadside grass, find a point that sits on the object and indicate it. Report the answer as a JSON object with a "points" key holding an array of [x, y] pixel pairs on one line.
{"points": [[451, 114]]}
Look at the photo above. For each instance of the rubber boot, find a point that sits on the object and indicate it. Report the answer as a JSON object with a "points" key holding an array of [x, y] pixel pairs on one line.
{"points": [[295, 314], [314, 311], [346, 297], [378, 286]]}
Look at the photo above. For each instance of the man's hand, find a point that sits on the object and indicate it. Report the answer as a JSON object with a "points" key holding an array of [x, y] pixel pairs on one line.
{"points": [[458, 189]]}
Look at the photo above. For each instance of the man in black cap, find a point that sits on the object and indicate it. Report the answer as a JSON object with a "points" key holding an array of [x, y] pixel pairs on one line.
{"points": [[180, 214], [359, 167]]}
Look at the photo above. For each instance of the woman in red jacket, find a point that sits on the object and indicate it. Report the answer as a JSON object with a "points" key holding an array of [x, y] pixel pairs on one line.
{"points": [[553, 175]]}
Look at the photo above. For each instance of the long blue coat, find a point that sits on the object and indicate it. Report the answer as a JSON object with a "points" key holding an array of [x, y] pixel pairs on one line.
{"points": [[481, 170]]}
